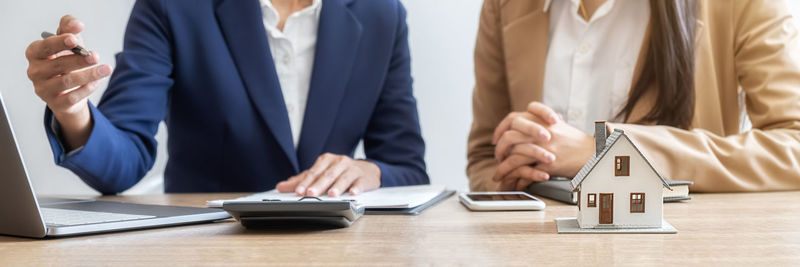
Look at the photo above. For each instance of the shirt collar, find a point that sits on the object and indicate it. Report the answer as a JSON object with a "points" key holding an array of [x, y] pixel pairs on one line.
{"points": [[271, 15], [603, 10]]}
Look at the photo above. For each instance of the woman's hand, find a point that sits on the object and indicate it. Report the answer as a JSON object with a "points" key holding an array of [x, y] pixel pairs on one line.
{"points": [[334, 174], [533, 145], [528, 130]]}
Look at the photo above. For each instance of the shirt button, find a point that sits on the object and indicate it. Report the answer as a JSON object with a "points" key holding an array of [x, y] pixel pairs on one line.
{"points": [[290, 108], [286, 59], [583, 48]]}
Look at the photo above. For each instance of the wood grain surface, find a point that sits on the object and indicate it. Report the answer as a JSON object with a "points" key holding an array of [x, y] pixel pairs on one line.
{"points": [[714, 229]]}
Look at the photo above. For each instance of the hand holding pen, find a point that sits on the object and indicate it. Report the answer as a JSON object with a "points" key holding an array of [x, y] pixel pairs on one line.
{"points": [[64, 75]]}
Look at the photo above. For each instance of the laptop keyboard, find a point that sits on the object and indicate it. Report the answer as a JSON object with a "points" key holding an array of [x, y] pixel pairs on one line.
{"points": [[64, 217]]}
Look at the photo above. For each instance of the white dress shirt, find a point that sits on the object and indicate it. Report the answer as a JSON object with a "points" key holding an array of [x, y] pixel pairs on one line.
{"points": [[590, 65], [293, 54]]}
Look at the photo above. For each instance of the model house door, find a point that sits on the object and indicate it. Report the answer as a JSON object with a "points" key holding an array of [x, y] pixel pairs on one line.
{"points": [[606, 208]]}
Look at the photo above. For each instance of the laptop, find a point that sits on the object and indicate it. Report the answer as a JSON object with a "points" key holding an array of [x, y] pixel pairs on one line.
{"points": [[24, 215]]}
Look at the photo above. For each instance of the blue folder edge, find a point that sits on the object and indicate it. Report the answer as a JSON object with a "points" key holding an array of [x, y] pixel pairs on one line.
{"points": [[415, 210]]}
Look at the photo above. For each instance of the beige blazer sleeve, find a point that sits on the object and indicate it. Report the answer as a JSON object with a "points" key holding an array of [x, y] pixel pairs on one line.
{"points": [[766, 61], [490, 99], [745, 47]]}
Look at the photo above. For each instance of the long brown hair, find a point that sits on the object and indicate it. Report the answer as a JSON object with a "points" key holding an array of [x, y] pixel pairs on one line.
{"points": [[669, 65]]}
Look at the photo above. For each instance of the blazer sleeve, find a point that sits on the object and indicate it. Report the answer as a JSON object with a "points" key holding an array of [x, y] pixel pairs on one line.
{"points": [[767, 54], [490, 99], [393, 140], [122, 146]]}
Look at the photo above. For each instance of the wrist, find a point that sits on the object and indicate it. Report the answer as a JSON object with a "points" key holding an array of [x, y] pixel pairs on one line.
{"points": [[75, 126], [589, 148], [585, 153], [75, 115]]}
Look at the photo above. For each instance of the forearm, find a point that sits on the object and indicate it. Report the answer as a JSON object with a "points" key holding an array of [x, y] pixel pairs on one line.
{"points": [[756, 160], [110, 161]]}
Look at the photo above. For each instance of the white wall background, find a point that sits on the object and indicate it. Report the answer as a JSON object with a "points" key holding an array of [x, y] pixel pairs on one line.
{"points": [[442, 36]]}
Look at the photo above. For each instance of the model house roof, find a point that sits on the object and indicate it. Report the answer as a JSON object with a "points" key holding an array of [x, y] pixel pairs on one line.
{"points": [[610, 141]]}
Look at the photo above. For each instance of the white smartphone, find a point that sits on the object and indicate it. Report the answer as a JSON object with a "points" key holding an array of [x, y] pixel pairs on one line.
{"points": [[482, 201]]}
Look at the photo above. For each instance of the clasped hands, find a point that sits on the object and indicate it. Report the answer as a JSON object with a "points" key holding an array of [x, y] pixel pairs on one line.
{"points": [[536, 144]]}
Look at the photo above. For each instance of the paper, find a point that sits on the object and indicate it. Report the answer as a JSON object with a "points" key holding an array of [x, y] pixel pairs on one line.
{"points": [[400, 197]]}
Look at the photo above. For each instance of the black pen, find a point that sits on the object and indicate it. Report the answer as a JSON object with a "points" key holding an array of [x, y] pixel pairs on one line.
{"points": [[78, 50]]}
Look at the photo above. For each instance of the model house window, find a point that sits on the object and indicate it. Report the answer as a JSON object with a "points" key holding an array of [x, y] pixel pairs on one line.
{"points": [[622, 166], [592, 201], [637, 202]]}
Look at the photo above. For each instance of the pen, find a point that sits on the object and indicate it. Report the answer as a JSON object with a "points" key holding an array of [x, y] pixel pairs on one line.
{"points": [[78, 50]]}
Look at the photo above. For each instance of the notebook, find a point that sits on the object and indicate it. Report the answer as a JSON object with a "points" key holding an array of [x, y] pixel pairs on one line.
{"points": [[388, 200]]}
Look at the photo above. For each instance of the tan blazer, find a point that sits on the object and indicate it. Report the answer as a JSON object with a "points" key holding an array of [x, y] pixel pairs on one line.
{"points": [[747, 58]]}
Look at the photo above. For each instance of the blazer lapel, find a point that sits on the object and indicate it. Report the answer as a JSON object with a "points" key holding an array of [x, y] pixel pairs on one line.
{"points": [[338, 39], [525, 42], [243, 28]]}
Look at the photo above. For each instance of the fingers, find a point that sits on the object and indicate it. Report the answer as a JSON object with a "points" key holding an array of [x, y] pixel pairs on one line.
{"points": [[304, 180], [534, 151], [505, 125], [507, 185], [311, 174], [520, 179], [507, 141], [290, 184], [42, 49], [320, 176], [335, 174], [523, 184], [530, 128], [502, 127], [343, 182], [74, 97], [511, 163], [529, 173], [61, 65], [369, 177], [55, 86], [364, 184], [69, 24], [543, 112], [324, 181], [535, 109]]}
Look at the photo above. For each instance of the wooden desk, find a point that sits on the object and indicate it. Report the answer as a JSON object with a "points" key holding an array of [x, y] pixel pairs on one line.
{"points": [[718, 229]]}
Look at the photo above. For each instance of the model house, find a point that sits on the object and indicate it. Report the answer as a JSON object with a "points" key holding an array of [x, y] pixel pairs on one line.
{"points": [[618, 187]]}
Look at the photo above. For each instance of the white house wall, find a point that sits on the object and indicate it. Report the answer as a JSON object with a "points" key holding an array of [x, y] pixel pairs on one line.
{"points": [[642, 179]]}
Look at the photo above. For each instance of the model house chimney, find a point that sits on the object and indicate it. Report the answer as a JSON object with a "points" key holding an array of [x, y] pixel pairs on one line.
{"points": [[599, 136]]}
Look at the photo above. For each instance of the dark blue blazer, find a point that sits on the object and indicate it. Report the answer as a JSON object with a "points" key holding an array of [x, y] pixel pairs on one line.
{"points": [[205, 68]]}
